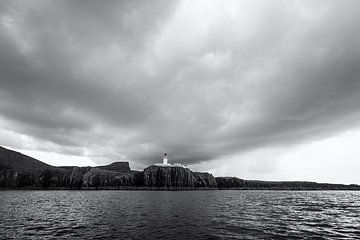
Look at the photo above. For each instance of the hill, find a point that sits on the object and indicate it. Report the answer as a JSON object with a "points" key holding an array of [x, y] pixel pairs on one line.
{"points": [[12, 160]]}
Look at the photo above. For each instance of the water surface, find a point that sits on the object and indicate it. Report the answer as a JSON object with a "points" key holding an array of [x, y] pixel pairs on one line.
{"points": [[179, 215]]}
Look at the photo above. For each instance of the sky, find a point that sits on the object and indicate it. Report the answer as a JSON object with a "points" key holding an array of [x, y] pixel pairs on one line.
{"points": [[264, 90]]}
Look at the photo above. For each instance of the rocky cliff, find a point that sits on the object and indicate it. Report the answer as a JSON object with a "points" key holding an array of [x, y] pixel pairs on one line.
{"points": [[21, 171], [18, 171], [176, 178]]}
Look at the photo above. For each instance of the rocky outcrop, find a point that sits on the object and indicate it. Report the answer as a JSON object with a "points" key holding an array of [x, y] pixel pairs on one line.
{"points": [[205, 180], [99, 178], [176, 178], [229, 182], [117, 167]]}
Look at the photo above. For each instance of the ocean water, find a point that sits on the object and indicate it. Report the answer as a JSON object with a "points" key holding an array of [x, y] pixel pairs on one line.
{"points": [[179, 215]]}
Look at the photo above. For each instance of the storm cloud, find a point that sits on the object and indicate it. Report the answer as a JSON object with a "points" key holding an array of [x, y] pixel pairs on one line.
{"points": [[200, 80]]}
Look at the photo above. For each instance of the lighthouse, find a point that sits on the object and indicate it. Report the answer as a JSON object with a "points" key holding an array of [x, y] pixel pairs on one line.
{"points": [[165, 162]]}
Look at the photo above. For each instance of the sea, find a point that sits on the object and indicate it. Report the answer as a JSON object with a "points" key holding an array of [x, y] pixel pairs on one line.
{"points": [[218, 214]]}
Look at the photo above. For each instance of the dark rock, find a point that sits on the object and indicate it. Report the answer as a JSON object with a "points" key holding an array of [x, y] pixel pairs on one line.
{"points": [[12, 160], [205, 180], [117, 167], [76, 177], [176, 178], [230, 182], [99, 178]]}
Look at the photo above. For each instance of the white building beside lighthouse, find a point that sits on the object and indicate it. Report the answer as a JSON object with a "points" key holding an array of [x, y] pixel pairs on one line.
{"points": [[165, 163]]}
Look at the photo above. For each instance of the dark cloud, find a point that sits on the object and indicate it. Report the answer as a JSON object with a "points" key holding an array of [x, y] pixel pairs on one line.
{"points": [[134, 79]]}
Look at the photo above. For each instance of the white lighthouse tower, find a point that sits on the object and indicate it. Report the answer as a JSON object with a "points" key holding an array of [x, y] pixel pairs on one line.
{"points": [[165, 160]]}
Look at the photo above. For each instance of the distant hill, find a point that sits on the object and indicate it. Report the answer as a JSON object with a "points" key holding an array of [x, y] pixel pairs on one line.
{"points": [[12, 160], [18, 171], [117, 167], [242, 184]]}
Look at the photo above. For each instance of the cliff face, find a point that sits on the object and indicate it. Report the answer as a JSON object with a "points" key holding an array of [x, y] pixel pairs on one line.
{"points": [[20, 171], [99, 178], [230, 182], [177, 178], [205, 180], [169, 177]]}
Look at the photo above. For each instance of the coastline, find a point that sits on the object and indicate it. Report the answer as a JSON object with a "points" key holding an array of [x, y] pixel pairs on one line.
{"points": [[21, 172]]}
